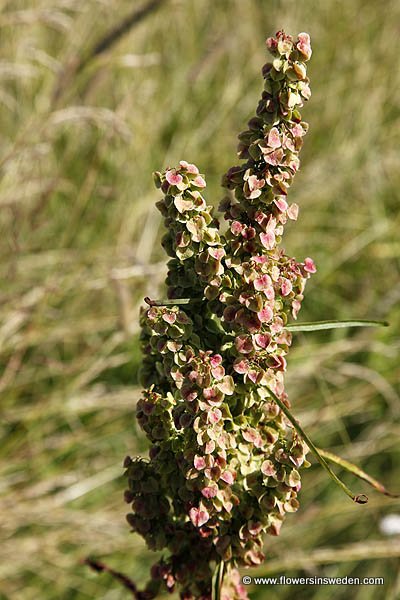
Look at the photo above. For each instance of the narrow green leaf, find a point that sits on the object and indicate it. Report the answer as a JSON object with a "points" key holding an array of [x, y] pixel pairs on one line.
{"points": [[345, 464], [359, 498], [169, 302], [318, 325], [217, 580]]}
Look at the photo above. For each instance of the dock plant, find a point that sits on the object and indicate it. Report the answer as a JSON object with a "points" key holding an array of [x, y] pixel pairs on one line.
{"points": [[226, 454]]}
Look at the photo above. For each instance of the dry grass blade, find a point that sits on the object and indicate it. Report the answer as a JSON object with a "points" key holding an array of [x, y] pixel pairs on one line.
{"points": [[375, 549]]}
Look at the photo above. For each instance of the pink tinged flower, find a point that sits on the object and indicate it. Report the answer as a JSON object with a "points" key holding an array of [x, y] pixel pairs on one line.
{"points": [[211, 393], [198, 517], [255, 186], [241, 366], [169, 318], [236, 228], [293, 211], [297, 130], [268, 469], [296, 305], [153, 313], [278, 363], [190, 168], [286, 286], [304, 50], [254, 527], [274, 140], [275, 528], [199, 182], [173, 177], [265, 315], [281, 203], [262, 283], [244, 344], [216, 253], [262, 340], [182, 205], [227, 385], [254, 375], [210, 491], [304, 45], [228, 477], [274, 158], [177, 376], [228, 505], [199, 462], [304, 38], [216, 360], [253, 194], [261, 218], [285, 338], [260, 259], [270, 292], [251, 435], [218, 372], [214, 416], [268, 239], [272, 43], [209, 447], [193, 376], [277, 325], [309, 265]]}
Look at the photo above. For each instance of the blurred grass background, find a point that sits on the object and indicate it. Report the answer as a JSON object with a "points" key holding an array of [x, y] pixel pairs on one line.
{"points": [[81, 134]]}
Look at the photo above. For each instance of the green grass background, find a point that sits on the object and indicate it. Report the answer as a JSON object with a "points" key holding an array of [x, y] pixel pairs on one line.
{"points": [[80, 248]]}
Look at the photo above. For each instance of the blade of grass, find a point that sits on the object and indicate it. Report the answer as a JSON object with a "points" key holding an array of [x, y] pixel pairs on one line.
{"points": [[320, 325], [345, 464], [359, 498]]}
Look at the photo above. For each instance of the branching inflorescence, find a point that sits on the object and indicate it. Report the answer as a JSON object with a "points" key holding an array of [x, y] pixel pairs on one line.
{"points": [[224, 460]]}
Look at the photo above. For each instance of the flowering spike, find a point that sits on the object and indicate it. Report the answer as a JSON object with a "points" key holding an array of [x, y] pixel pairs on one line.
{"points": [[224, 461]]}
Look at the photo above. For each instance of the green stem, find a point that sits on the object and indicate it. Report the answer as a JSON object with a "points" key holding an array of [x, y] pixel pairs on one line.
{"points": [[345, 464], [217, 581], [359, 498]]}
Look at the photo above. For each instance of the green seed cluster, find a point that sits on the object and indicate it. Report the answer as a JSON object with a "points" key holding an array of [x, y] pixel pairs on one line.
{"points": [[224, 461]]}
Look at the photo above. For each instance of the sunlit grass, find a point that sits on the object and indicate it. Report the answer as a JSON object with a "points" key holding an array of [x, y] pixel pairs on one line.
{"points": [[80, 250]]}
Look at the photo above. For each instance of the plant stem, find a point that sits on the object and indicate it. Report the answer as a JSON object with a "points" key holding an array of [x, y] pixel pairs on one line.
{"points": [[359, 498], [217, 580]]}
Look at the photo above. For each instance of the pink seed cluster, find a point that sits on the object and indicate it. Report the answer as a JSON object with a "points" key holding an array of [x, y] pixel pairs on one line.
{"points": [[224, 461]]}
